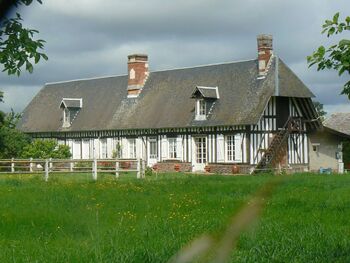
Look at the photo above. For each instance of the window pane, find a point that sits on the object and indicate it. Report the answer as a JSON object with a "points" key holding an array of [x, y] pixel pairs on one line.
{"points": [[153, 148]]}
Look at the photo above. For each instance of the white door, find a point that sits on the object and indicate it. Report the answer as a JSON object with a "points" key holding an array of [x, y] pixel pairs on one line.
{"points": [[152, 151], [200, 155]]}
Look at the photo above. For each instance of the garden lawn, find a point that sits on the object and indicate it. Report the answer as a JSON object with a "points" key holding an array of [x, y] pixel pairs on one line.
{"points": [[72, 219]]}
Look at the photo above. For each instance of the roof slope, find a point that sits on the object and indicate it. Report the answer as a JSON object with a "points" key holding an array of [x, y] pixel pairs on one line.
{"points": [[339, 122], [165, 100]]}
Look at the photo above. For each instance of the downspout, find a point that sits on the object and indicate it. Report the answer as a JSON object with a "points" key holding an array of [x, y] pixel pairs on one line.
{"points": [[277, 84]]}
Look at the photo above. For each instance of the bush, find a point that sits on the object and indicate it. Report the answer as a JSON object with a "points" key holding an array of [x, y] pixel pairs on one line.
{"points": [[44, 149]]}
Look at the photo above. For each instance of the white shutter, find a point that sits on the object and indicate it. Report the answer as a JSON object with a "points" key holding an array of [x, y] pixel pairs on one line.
{"points": [[124, 148], [179, 147], [70, 144], [238, 148], [109, 147], [138, 142], [220, 150], [85, 148], [164, 153]]}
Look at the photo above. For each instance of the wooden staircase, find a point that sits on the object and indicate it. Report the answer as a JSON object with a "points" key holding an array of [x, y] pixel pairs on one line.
{"points": [[276, 151]]}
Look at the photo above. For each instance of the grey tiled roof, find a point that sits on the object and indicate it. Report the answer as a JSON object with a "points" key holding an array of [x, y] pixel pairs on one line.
{"points": [[165, 100], [339, 122]]}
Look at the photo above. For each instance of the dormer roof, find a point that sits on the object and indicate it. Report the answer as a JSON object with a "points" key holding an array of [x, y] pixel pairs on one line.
{"points": [[206, 92], [71, 103]]}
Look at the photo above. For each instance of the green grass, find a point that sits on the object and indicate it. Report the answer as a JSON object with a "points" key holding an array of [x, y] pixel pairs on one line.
{"points": [[72, 219]]}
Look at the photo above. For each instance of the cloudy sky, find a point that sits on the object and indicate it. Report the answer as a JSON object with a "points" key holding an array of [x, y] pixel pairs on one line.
{"points": [[90, 38]]}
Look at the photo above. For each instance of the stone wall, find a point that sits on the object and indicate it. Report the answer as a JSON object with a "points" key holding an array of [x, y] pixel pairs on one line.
{"points": [[169, 166], [218, 168]]}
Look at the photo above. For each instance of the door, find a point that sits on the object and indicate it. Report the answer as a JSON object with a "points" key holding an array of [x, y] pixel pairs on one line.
{"points": [[200, 158], [152, 151]]}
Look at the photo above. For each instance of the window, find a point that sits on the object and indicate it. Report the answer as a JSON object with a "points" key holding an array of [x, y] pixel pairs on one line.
{"points": [[231, 150], [66, 118], [315, 147], [201, 109], [153, 148], [132, 148], [103, 148], [172, 148]]}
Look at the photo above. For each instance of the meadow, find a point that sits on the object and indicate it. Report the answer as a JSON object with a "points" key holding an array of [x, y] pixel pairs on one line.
{"points": [[73, 219]]}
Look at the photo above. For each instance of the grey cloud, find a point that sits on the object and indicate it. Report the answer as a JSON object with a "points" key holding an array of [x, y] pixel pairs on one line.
{"points": [[88, 39]]}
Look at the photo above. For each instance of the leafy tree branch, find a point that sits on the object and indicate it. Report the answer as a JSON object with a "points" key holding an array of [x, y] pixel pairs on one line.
{"points": [[337, 56]]}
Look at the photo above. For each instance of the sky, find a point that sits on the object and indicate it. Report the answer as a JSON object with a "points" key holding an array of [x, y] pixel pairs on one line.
{"points": [[90, 38]]}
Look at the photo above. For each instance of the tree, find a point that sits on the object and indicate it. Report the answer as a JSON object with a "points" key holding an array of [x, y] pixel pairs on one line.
{"points": [[337, 56], [12, 141], [18, 48], [43, 149], [319, 109]]}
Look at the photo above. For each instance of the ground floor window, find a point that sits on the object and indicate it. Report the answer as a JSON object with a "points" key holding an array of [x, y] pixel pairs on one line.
{"points": [[230, 148], [153, 152], [103, 148], [132, 148], [172, 148]]}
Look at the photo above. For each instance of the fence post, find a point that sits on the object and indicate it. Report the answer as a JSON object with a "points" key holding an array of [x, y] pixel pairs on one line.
{"points": [[71, 165], [94, 170], [138, 168], [12, 166], [116, 168], [143, 168], [46, 170], [31, 165]]}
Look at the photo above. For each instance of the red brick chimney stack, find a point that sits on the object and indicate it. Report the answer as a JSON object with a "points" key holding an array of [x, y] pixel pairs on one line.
{"points": [[265, 52], [137, 73]]}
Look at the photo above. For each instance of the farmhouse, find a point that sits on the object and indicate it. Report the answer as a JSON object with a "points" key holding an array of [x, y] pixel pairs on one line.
{"points": [[239, 116]]}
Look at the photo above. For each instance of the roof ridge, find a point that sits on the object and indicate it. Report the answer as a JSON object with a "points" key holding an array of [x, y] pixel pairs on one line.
{"points": [[206, 65], [156, 71]]}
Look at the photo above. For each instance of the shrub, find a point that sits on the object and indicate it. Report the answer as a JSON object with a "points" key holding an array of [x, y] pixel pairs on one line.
{"points": [[43, 149]]}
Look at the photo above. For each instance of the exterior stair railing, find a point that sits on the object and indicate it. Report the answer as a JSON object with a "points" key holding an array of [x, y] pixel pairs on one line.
{"points": [[275, 151]]}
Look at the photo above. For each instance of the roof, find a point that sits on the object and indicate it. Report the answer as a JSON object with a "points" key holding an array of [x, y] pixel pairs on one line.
{"points": [[339, 123], [165, 100]]}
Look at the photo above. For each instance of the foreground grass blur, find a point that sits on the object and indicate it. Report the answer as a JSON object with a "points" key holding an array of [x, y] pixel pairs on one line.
{"points": [[73, 219]]}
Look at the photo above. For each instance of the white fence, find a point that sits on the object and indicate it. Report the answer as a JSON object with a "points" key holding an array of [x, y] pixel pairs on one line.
{"points": [[93, 166]]}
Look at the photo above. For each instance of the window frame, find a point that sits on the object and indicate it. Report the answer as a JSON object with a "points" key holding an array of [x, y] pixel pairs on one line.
{"points": [[132, 148], [104, 151], [153, 141], [172, 148], [201, 105], [230, 148]]}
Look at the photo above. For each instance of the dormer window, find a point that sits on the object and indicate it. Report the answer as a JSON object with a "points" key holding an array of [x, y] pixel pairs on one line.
{"points": [[71, 108], [205, 101], [201, 109]]}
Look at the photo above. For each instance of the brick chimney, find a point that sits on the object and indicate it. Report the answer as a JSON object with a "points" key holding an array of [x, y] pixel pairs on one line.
{"points": [[137, 73], [265, 53]]}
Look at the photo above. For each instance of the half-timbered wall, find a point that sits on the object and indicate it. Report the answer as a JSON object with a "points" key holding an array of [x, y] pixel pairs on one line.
{"points": [[261, 134], [297, 142]]}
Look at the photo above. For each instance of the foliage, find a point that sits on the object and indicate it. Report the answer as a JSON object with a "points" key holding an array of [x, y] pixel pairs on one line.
{"points": [[117, 151], [337, 56], [346, 153], [148, 171], [319, 109], [130, 220], [43, 149], [18, 48], [12, 141]]}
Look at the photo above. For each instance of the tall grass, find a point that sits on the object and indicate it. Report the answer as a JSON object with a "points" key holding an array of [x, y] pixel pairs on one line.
{"points": [[73, 219]]}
